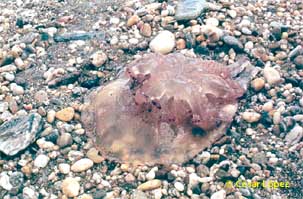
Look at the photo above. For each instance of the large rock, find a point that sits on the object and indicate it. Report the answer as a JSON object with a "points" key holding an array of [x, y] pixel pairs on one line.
{"points": [[190, 9], [18, 133]]}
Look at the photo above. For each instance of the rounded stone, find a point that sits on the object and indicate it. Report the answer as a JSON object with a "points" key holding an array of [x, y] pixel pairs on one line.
{"points": [[251, 116], [98, 58], [299, 62], [82, 165], [150, 185], [70, 187], [65, 139], [64, 168], [163, 43], [179, 186], [133, 20], [41, 161], [258, 84], [271, 75], [66, 114]]}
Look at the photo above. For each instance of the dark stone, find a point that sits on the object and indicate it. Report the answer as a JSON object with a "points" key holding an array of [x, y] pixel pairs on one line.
{"points": [[78, 36], [299, 62], [88, 80], [99, 194], [19, 133], [20, 23], [64, 80], [8, 60], [233, 42]]}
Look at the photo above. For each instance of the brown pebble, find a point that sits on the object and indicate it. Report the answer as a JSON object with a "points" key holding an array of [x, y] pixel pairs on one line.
{"points": [[66, 114], [133, 20], [146, 30], [181, 44], [258, 84]]}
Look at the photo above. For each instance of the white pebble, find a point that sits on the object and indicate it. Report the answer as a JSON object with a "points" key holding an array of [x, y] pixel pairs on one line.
{"points": [[41, 161], [163, 43], [179, 186]]}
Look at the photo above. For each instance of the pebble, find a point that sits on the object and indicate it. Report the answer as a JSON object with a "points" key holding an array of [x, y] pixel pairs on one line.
{"points": [[29, 193], [64, 168], [93, 154], [271, 75], [137, 194], [257, 84], [70, 187], [179, 186], [41, 96], [146, 30], [85, 196], [65, 139], [82, 165], [251, 116], [295, 135], [268, 106], [163, 43], [249, 45], [98, 58], [299, 62], [232, 13], [190, 9], [5, 182], [233, 42], [219, 195], [180, 44], [41, 161], [51, 115], [20, 132], [133, 20], [150, 185], [66, 114], [212, 22], [16, 89]]}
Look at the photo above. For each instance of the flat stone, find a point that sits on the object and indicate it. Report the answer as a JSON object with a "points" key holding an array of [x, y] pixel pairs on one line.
{"points": [[189, 9], [232, 42], [18, 133], [65, 139], [150, 185], [66, 114], [82, 165]]}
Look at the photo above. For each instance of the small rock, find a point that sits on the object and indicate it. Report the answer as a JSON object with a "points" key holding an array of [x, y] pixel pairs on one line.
{"points": [[212, 22], [179, 186], [98, 58], [146, 30], [251, 116], [137, 194], [150, 185], [181, 44], [295, 135], [133, 20], [65, 139], [232, 13], [29, 193], [295, 52], [66, 114], [130, 178], [189, 9], [93, 154], [16, 89], [4, 181], [219, 195], [17, 134], [299, 62], [70, 187], [82, 165], [64, 168], [232, 42], [41, 161], [271, 75], [41, 96], [163, 43], [258, 84], [50, 118]]}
